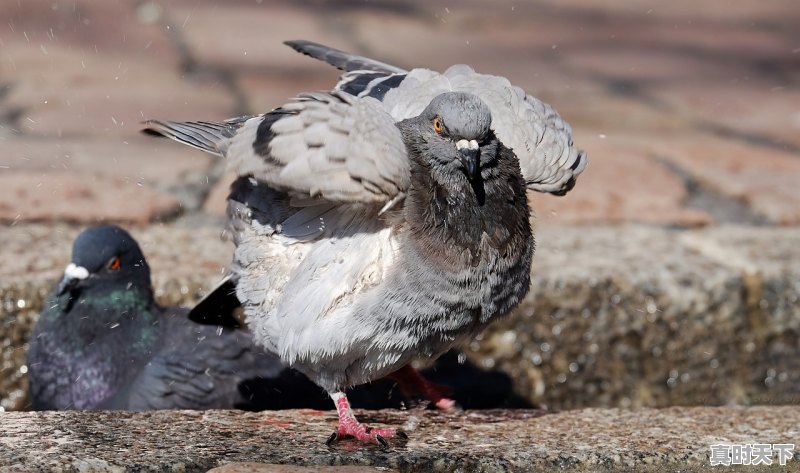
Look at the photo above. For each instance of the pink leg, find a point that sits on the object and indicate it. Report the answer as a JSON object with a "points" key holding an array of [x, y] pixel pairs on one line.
{"points": [[412, 383], [350, 427]]}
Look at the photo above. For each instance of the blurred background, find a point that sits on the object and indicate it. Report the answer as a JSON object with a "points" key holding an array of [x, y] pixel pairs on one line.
{"points": [[669, 275]]}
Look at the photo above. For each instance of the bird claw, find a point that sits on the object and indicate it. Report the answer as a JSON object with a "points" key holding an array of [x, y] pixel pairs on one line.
{"points": [[382, 441], [401, 434]]}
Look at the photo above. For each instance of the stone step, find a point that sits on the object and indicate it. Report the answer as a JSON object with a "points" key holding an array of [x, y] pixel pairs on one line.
{"points": [[607, 440], [628, 315]]}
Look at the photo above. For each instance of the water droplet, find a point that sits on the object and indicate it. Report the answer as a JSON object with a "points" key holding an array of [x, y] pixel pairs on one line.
{"points": [[573, 367], [656, 351], [23, 369], [21, 304], [536, 359], [545, 347], [714, 363]]}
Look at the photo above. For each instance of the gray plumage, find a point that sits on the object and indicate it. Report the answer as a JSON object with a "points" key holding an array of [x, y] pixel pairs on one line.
{"points": [[531, 128], [370, 230]]}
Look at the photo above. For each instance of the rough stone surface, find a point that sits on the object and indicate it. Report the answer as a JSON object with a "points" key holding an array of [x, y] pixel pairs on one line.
{"points": [[252, 467], [638, 316], [605, 440]]}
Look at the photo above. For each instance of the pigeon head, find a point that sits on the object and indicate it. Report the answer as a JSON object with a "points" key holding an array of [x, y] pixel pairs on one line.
{"points": [[451, 133], [102, 256]]}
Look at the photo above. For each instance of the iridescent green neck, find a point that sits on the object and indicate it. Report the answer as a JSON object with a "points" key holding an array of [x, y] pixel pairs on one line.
{"points": [[121, 301]]}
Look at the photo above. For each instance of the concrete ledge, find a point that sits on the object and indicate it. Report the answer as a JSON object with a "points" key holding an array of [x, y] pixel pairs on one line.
{"points": [[648, 440], [626, 316]]}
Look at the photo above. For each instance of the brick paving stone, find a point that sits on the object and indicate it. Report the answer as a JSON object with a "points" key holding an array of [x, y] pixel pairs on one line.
{"points": [[764, 178], [79, 197], [115, 28], [79, 92], [641, 63], [621, 184], [217, 200], [141, 159], [171, 176], [763, 109], [267, 90], [613, 114], [248, 36], [745, 11], [420, 42]]}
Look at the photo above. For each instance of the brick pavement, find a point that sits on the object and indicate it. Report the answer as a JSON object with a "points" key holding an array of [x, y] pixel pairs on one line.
{"points": [[690, 111], [711, 91]]}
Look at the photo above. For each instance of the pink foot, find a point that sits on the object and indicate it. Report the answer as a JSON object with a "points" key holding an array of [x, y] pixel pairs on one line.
{"points": [[350, 427], [412, 383]]}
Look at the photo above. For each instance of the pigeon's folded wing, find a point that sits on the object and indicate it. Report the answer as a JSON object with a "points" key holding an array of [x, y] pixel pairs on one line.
{"points": [[334, 146], [201, 369], [329, 145]]}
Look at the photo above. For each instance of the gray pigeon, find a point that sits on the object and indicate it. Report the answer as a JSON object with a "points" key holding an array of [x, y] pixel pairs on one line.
{"points": [[103, 343], [386, 219]]}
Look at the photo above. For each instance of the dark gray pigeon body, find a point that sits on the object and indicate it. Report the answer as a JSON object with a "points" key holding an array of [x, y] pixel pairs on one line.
{"points": [[103, 343], [373, 228]]}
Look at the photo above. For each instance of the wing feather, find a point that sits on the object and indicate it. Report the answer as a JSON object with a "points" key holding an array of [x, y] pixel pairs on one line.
{"points": [[330, 145]]}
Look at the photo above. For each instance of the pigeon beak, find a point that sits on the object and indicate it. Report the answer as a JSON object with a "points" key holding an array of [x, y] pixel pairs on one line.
{"points": [[470, 157], [73, 276]]}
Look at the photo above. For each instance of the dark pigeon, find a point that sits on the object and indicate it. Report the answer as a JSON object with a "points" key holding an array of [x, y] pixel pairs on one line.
{"points": [[104, 343]]}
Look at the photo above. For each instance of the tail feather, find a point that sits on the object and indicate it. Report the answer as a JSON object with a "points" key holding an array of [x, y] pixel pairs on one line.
{"points": [[342, 60], [207, 136]]}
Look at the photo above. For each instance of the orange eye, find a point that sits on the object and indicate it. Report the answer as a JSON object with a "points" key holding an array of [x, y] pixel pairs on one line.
{"points": [[114, 264], [437, 125]]}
